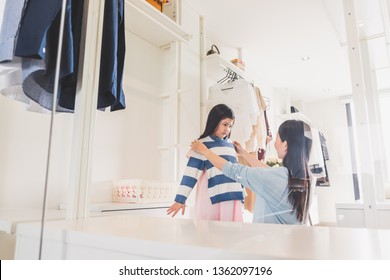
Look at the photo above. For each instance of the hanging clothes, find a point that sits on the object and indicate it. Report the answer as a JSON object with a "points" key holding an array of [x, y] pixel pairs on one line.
{"points": [[9, 27], [324, 146], [37, 19], [268, 139], [17, 68], [112, 57], [239, 95], [38, 38], [257, 138], [256, 143], [325, 156], [10, 68], [2, 4], [43, 33], [318, 157]]}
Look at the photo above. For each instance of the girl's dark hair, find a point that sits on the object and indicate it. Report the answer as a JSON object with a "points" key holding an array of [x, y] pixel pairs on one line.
{"points": [[298, 136], [216, 114]]}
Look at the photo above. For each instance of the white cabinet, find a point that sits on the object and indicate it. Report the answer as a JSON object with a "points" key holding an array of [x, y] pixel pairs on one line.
{"points": [[9, 220], [352, 214], [384, 218]]}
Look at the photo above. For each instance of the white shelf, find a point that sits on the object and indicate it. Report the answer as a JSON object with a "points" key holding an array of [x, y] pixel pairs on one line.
{"points": [[216, 66], [150, 24], [122, 206], [117, 206]]}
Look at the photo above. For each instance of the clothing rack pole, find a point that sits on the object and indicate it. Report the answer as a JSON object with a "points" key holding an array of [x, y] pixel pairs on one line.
{"points": [[53, 111]]}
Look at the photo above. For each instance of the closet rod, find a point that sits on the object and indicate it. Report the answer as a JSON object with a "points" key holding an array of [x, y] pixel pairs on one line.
{"points": [[53, 111]]}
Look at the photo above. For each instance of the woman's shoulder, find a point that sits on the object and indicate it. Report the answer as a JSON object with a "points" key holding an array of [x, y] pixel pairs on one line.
{"points": [[276, 171], [281, 169]]}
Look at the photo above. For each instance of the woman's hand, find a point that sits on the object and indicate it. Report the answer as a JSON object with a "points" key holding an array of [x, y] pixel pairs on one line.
{"points": [[239, 149], [199, 147], [251, 159], [175, 207]]}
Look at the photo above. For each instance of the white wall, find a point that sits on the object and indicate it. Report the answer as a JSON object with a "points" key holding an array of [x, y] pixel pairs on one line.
{"points": [[23, 155], [189, 83]]}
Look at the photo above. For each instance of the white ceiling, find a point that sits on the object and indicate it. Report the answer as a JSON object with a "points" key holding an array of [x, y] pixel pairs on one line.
{"points": [[275, 34]]}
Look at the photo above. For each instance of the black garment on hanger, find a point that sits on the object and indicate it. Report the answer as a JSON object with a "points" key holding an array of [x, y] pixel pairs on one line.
{"points": [[39, 86], [37, 18], [112, 57]]}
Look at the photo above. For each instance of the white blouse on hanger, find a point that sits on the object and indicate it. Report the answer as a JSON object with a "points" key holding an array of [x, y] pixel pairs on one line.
{"points": [[240, 97]]}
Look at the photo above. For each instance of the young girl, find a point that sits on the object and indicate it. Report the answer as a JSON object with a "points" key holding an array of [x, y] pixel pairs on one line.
{"points": [[218, 197], [283, 193]]}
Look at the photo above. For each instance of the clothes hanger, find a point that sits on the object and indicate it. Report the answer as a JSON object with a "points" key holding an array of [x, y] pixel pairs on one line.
{"points": [[225, 78], [267, 102]]}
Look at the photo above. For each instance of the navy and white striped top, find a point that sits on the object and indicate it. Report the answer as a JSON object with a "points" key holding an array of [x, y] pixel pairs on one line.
{"points": [[220, 187]]}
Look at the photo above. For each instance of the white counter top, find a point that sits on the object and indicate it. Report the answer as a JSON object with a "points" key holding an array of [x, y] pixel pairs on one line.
{"points": [[10, 217], [145, 237]]}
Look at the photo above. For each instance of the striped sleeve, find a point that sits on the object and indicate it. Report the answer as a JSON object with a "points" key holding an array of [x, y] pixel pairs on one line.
{"points": [[192, 172]]}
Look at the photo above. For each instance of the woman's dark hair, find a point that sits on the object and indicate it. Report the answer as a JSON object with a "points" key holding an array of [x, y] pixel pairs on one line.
{"points": [[216, 114], [298, 136]]}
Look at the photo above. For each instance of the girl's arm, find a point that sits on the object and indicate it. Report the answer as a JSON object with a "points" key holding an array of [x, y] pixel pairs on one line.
{"points": [[237, 172], [175, 208], [218, 161], [215, 160], [190, 176]]}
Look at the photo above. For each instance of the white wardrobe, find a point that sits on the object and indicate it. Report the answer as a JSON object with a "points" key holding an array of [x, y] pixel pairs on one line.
{"points": [[87, 150], [145, 140]]}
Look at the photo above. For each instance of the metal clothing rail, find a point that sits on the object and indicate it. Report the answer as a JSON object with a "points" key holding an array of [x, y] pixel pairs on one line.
{"points": [[53, 111]]}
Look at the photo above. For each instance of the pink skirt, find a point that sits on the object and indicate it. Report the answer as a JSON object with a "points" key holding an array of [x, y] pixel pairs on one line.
{"points": [[230, 211]]}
